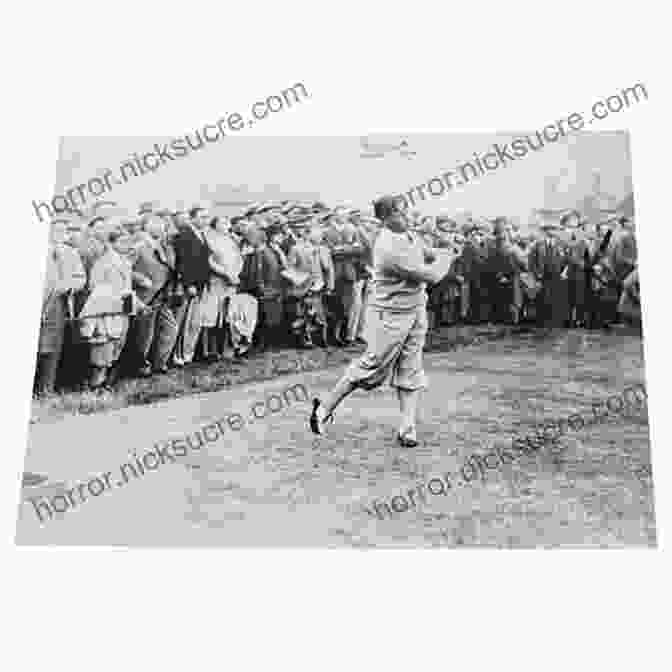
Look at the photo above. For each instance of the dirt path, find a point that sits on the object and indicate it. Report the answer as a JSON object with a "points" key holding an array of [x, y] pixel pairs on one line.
{"points": [[271, 483]]}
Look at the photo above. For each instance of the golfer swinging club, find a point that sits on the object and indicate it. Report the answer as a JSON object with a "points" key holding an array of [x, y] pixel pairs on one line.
{"points": [[396, 321]]}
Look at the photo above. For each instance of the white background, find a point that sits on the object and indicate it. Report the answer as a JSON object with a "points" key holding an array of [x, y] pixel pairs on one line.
{"points": [[145, 68]]}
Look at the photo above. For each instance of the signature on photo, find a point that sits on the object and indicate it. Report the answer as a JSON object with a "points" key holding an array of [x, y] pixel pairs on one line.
{"points": [[378, 150]]}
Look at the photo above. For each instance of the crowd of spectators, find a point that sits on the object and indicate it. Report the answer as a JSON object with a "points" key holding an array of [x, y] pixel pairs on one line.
{"points": [[139, 294]]}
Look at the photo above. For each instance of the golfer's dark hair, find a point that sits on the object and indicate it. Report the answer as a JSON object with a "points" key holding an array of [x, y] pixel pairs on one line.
{"points": [[384, 207]]}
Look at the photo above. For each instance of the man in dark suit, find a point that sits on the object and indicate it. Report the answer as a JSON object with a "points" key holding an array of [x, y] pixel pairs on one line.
{"points": [[193, 272], [547, 260], [578, 257], [505, 262], [471, 266]]}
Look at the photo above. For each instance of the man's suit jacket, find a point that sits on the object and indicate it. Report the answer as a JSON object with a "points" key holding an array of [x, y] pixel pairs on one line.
{"points": [[157, 264], [191, 259], [261, 276], [578, 260]]}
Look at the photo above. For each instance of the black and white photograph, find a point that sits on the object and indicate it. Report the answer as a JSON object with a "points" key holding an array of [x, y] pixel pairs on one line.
{"points": [[302, 358], [335, 336]]}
